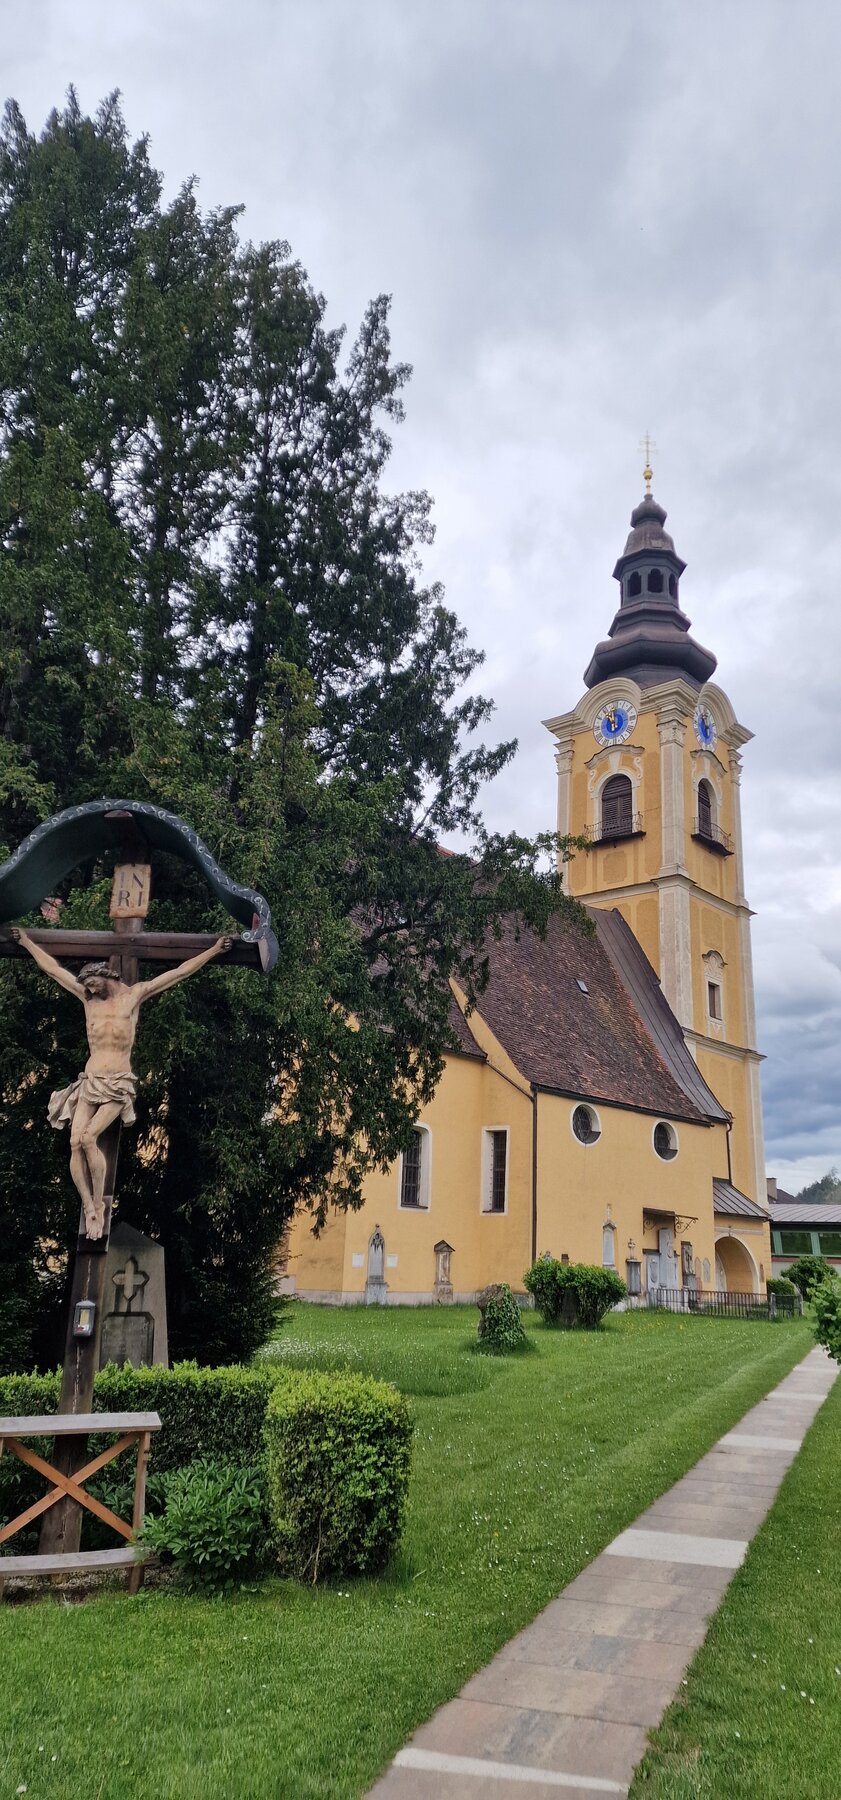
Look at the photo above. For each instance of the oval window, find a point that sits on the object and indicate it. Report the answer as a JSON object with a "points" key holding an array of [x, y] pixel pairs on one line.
{"points": [[585, 1125], [665, 1140]]}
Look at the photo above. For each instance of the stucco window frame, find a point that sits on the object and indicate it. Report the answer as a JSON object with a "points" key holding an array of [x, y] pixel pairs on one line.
{"points": [[714, 966], [486, 1165], [614, 759], [586, 1143], [675, 1148], [425, 1187]]}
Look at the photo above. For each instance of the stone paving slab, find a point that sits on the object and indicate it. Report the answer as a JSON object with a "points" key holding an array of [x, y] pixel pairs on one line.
{"points": [[564, 1709]]}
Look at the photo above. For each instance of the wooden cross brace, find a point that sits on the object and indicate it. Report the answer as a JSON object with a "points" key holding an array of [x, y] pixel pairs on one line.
{"points": [[134, 1428]]}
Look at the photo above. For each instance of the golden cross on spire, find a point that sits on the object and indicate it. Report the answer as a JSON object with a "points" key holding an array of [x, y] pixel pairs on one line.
{"points": [[647, 444]]}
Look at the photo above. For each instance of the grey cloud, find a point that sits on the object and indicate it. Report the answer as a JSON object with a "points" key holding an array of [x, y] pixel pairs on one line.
{"points": [[594, 220]]}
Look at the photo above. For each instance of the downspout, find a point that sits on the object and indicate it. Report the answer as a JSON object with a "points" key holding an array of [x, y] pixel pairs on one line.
{"points": [[729, 1158], [534, 1174]]}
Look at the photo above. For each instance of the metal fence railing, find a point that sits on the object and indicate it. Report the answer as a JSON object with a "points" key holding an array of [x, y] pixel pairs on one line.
{"points": [[715, 1304]]}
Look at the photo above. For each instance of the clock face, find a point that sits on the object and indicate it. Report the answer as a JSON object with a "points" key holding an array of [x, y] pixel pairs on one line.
{"points": [[615, 722], [705, 727]]}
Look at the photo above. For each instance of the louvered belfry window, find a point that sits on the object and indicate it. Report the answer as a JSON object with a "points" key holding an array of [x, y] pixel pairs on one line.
{"points": [[705, 810], [617, 805]]}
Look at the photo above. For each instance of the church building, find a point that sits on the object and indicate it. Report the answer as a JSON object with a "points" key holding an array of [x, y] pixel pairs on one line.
{"points": [[603, 1103]]}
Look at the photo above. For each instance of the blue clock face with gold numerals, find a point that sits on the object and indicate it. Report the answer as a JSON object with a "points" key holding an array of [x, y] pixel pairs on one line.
{"points": [[705, 726], [615, 722]]}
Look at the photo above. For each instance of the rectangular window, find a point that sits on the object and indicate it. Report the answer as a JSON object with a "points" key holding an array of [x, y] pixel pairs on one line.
{"points": [[494, 1170], [795, 1243], [411, 1185], [830, 1243], [714, 999]]}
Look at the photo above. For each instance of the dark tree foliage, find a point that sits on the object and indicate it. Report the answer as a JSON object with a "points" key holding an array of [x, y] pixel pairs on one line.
{"points": [[208, 600], [826, 1191]]}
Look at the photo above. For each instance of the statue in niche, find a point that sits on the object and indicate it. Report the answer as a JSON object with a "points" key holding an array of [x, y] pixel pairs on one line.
{"points": [[376, 1255], [376, 1286], [105, 1091], [443, 1281]]}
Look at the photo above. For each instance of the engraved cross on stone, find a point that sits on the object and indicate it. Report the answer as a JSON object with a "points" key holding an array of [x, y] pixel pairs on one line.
{"points": [[129, 1281]]}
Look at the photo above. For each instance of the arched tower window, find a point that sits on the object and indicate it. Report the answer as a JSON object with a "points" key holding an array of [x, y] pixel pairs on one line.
{"points": [[617, 807], [705, 809], [673, 586], [634, 584], [655, 581]]}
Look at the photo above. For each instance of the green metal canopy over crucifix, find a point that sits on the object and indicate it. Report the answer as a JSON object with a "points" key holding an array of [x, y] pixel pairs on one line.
{"points": [[101, 1098]]}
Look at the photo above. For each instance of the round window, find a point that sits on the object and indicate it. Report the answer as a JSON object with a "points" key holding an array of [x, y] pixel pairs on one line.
{"points": [[585, 1125], [665, 1140]]}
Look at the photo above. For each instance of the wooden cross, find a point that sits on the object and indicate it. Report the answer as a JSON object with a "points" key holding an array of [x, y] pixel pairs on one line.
{"points": [[126, 947]]}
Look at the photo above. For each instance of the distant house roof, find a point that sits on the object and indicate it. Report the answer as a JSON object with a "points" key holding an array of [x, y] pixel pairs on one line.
{"points": [[786, 1199], [728, 1200], [583, 1014], [794, 1212]]}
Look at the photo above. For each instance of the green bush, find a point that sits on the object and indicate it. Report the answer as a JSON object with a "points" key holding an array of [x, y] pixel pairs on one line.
{"points": [[807, 1272], [500, 1326], [206, 1414], [337, 1472], [212, 1526], [594, 1291], [827, 1304], [778, 1284]]}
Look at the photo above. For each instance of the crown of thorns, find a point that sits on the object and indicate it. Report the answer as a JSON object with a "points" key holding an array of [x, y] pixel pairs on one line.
{"points": [[98, 968]]}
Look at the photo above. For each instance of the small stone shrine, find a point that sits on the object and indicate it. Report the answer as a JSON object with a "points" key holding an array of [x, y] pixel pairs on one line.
{"points": [[134, 1321], [376, 1286]]}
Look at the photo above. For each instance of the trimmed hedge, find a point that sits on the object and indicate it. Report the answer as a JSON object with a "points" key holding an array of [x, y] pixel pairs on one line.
{"points": [[337, 1472], [214, 1415], [590, 1292]]}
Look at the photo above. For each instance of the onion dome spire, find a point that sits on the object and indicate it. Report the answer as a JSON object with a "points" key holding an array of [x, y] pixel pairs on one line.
{"points": [[649, 638]]}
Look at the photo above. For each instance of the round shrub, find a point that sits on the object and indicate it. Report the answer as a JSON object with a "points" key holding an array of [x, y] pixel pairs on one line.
{"points": [[807, 1273], [212, 1523], [778, 1285], [500, 1325], [827, 1304], [337, 1472], [573, 1293]]}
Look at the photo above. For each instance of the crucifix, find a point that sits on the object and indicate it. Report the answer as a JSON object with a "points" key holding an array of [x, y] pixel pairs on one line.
{"points": [[101, 1098]]}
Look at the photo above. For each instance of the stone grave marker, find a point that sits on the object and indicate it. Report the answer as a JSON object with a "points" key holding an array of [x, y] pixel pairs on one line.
{"points": [[134, 1326]]}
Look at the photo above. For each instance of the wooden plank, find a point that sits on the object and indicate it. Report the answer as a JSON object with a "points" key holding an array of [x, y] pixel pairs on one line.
{"points": [[65, 1486], [61, 1565], [78, 1424], [147, 946]]}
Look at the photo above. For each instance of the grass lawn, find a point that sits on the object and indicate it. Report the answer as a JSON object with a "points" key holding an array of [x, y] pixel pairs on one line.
{"points": [[523, 1470], [761, 1712]]}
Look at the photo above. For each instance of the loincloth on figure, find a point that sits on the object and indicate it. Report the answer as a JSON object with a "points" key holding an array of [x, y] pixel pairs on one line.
{"points": [[94, 1090]]}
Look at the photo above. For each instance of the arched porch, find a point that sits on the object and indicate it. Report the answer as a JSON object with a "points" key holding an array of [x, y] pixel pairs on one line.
{"points": [[735, 1270]]}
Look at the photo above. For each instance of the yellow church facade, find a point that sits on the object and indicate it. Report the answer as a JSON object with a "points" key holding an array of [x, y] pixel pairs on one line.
{"points": [[602, 1103]]}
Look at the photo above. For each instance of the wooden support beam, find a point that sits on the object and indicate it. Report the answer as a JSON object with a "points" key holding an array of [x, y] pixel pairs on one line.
{"points": [[146, 946]]}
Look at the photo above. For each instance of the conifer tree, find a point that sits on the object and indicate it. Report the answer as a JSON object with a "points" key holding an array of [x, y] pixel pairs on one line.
{"points": [[209, 600]]}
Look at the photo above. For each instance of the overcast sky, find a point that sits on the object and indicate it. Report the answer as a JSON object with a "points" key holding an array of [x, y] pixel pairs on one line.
{"points": [[595, 219]]}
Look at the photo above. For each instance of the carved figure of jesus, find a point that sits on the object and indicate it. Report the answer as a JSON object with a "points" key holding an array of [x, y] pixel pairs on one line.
{"points": [[106, 1089]]}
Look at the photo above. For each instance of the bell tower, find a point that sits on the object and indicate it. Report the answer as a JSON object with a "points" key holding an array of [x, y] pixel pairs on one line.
{"points": [[649, 770]]}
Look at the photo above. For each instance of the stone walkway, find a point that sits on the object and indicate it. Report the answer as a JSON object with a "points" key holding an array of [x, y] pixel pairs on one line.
{"points": [[565, 1708]]}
